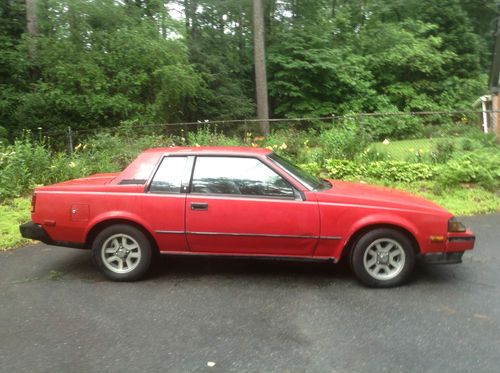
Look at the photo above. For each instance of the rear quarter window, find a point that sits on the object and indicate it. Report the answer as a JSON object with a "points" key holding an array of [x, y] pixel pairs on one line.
{"points": [[168, 177]]}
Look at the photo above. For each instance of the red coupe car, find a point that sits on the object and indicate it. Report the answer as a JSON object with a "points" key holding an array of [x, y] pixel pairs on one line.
{"points": [[242, 202]]}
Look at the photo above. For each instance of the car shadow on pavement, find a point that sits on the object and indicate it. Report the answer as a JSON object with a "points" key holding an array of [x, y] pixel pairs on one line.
{"points": [[438, 274], [177, 267], [78, 264]]}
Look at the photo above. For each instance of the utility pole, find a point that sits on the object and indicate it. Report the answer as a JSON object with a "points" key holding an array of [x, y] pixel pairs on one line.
{"points": [[495, 82], [260, 67]]}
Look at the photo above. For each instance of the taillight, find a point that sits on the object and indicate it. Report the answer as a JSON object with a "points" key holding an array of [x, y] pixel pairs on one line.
{"points": [[33, 202]]}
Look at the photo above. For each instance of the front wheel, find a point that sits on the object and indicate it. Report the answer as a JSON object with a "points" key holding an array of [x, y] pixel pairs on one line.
{"points": [[383, 258], [122, 252]]}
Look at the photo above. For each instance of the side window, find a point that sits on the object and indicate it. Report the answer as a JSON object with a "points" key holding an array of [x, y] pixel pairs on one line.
{"points": [[233, 175], [168, 177]]}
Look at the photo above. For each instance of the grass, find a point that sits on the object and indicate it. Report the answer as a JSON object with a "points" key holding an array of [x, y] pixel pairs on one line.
{"points": [[463, 200], [403, 150], [13, 213]]}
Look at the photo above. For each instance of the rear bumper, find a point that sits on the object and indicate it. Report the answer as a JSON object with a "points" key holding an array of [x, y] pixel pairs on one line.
{"points": [[34, 231]]}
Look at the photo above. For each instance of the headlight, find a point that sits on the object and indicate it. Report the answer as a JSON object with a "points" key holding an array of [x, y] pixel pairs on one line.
{"points": [[454, 225]]}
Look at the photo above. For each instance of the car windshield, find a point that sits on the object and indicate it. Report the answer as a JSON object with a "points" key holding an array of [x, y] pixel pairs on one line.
{"points": [[310, 181]]}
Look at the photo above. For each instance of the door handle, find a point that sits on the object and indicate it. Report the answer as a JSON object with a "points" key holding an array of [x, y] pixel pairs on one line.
{"points": [[199, 206]]}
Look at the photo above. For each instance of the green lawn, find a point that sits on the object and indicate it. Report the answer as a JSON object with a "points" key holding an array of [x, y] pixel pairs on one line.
{"points": [[405, 149], [13, 213]]}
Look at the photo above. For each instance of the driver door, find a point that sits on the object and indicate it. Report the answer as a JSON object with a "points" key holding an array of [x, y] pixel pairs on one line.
{"points": [[239, 205]]}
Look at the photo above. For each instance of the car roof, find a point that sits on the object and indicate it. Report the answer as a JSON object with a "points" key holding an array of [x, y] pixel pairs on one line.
{"points": [[228, 150], [145, 163]]}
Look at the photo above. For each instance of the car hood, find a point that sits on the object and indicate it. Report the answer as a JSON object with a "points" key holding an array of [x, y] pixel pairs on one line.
{"points": [[376, 196]]}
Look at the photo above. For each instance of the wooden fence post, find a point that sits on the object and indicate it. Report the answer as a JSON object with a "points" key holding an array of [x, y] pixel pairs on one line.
{"points": [[70, 140]]}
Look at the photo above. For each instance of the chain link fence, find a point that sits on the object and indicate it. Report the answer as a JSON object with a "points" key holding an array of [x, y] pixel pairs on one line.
{"points": [[409, 136]]}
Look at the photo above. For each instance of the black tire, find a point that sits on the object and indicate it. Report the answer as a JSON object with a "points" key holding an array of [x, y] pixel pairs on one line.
{"points": [[125, 244], [383, 258]]}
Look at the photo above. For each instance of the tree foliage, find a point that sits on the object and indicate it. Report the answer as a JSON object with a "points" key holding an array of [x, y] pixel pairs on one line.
{"points": [[100, 62]]}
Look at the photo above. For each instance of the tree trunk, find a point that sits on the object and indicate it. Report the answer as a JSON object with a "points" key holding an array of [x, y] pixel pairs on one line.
{"points": [[32, 26], [260, 67], [241, 37], [190, 7]]}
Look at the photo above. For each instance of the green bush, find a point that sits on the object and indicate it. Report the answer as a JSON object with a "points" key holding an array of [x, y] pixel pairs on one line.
{"points": [[372, 154], [481, 167], [392, 127], [311, 167], [442, 151], [210, 136], [292, 143], [3, 135], [467, 145], [383, 170], [343, 142], [23, 165], [482, 140], [28, 163]]}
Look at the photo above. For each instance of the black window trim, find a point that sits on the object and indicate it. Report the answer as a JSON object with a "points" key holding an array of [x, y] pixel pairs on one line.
{"points": [[132, 181], [187, 171]]}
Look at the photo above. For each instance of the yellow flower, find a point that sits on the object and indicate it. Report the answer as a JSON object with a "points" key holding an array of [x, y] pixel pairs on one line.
{"points": [[269, 147], [72, 164], [283, 146]]}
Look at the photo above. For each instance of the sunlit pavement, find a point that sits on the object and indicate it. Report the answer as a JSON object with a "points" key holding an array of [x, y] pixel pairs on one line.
{"points": [[58, 314]]}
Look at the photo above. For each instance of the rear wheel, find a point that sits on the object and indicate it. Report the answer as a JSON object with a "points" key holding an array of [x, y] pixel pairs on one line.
{"points": [[383, 258], [122, 252]]}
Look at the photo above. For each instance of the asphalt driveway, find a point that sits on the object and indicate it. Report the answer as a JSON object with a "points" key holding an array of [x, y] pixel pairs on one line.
{"points": [[57, 314]]}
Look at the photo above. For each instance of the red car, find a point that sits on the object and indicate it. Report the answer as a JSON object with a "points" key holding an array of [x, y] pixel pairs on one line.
{"points": [[242, 202]]}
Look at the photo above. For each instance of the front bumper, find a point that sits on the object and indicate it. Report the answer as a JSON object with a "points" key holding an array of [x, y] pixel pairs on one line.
{"points": [[443, 258], [456, 244], [34, 231], [460, 241]]}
